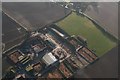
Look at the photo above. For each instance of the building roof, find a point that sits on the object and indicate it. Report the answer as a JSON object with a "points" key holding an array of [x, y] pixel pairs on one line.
{"points": [[105, 67], [15, 56], [49, 58]]}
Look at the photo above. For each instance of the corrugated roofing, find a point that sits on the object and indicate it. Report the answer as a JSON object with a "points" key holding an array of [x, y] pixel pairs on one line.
{"points": [[49, 58]]}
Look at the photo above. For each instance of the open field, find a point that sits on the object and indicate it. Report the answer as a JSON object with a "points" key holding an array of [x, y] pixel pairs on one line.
{"points": [[12, 33], [77, 25], [34, 15], [106, 14]]}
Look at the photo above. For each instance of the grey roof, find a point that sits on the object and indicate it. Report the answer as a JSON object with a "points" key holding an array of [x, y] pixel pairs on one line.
{"points": [[49, 58]]}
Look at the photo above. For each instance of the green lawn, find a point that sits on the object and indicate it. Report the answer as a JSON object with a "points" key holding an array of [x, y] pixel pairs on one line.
{"points": [[77, 25]]}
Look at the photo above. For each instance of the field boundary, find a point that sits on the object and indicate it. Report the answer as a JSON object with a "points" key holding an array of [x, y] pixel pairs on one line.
{"points": [[110, 36], [58, 19]]}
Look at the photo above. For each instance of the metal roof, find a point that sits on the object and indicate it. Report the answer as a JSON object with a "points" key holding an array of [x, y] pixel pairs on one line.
{"points": [[49, 58]]}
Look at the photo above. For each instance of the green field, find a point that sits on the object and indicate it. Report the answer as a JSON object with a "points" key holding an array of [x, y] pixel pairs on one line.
{"points": [[77, 25]]}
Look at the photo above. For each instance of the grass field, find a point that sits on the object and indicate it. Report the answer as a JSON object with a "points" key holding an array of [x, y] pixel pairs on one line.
{"points": [[77, 25]]}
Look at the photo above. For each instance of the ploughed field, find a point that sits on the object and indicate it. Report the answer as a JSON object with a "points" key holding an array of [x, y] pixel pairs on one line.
{"points": [[36, 14]]}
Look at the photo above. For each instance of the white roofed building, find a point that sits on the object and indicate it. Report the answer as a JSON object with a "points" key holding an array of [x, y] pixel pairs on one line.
{"points": [[49, 58]]}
